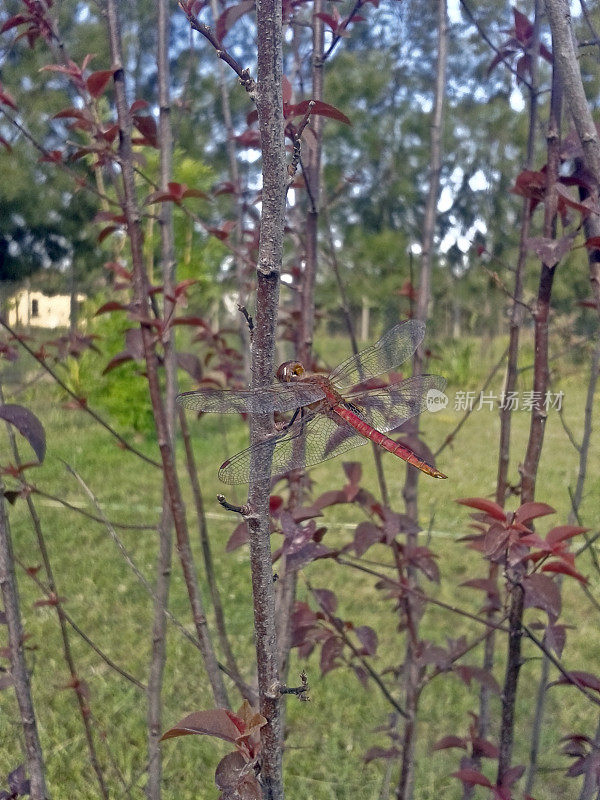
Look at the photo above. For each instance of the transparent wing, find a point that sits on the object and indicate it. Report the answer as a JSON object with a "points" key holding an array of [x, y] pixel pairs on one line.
{"points": [[284, 397], [324, 438], [398, 344], [386, 409]]}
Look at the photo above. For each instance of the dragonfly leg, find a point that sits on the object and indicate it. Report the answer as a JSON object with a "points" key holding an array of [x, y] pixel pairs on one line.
{"points": [[355, 409], [282, 427]]}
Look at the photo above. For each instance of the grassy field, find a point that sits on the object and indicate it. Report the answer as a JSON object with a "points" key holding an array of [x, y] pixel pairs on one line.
{"points": [[329, 735]]}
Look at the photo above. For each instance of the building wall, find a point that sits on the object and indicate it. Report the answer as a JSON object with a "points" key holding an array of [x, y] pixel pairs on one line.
{"points": [[35, 309]]}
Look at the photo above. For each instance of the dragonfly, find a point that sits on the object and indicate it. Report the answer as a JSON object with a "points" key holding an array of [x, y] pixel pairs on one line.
{"points": [[332, 413]]}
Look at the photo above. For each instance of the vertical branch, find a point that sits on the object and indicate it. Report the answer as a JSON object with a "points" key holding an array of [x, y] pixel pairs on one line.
{"points": [[165, 544], [269, 104], [511, 678], [132, 215], [536, 431], [413, 610], [354, 344], [424, 293], [567, 64], [542, 309], [587, 434], [18, 666], [516, 320], [286, 588], [516, 313], [209, 569], [234, 174], [312, 176]]}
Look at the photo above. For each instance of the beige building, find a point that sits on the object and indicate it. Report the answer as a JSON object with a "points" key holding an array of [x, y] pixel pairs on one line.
{"points": [[35, 309]]}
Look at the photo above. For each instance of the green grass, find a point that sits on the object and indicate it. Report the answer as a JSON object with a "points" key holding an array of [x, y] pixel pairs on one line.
{"points": [[329, 735]]}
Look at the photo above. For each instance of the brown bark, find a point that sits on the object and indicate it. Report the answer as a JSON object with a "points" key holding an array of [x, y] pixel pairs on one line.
{"points": [[132, 216], [536, 432], [286, 587], [215, 596], [269, 104], [18, 667], [413, 610], [165, 543], [424, 292]]}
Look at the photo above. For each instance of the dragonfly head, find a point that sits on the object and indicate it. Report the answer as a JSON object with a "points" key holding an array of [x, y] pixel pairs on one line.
{"points": [[290, 371]]}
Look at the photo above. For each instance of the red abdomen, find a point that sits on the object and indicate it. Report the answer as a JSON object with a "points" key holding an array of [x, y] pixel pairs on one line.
{"points": [[369, 432]]}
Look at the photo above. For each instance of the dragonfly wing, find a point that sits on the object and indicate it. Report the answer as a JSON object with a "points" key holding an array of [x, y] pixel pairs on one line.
{"points": [[284, 397], [387, 409], [308, 442], [389, 352]]}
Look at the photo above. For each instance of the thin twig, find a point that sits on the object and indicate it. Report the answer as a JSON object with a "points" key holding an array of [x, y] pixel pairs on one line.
{"points": [[83, 405], [496, 50], [246, 80], [356, 8], [122, 525], [81, 633], [339, 627], [450, 437]]}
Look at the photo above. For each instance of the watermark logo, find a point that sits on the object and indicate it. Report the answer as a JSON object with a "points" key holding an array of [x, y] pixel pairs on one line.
{"points": [[514, 401], [436, 400]]}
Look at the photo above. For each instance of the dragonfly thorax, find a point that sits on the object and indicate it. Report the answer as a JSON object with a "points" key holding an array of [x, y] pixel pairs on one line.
{"points": [[290, 371]]}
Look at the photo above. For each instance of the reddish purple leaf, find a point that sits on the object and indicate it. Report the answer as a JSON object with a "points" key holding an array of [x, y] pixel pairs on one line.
{"points": [[492, 509], [147, 127], [7, 98], [324, 109], [362, 675], [214, 722], [366, 535], [495, 539], [529, 511], [116, 361], [234, 778], [191, 364], [286, 90], [563, 532], [556, 636], [550, 251], [237, 538], [13, 22], [584, 207], [523, 27], [482, 676], [563, 568], [483, 748], [580, 678], [231, 15], [138, 105], [98, 81], [368, 639], [450, 741], [542, 592], [485, 584], [332, 648], [28, 426], [381, 752], [472, 777], [512, 775], [112, 305], [327, 600], [353, 471]]}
